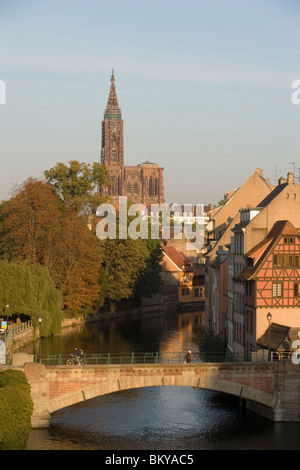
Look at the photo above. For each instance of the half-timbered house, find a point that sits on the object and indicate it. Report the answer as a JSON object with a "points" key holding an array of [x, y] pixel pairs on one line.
{"points": [[272, 282]]}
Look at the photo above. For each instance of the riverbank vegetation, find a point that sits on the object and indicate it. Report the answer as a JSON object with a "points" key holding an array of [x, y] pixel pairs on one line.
{"points": [[16, 408], [60, 267]]}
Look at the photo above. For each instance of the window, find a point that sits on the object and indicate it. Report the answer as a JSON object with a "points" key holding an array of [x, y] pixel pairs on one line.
{"points": [[296, 264], [277, 289], [185, 291], [135, 188], [297, 289], [288, 261], [277, 261], [129, 187], [289, 240], [196, 292]]}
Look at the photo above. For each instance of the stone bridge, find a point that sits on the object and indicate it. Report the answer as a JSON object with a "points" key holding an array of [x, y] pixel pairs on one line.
{"points": [[271, 389]]}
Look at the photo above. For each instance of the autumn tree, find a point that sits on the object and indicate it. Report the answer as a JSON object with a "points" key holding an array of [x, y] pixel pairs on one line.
{"points": [[77, 263], [31, 223], [39, 228]]}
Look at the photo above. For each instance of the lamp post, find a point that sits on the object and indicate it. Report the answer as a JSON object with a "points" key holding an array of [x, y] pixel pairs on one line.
{"points": [[6, 332], [40, 319], [269, 318]]}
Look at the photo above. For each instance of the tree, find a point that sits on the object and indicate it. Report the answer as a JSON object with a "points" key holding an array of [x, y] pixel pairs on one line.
{"points": [[123, 263], [29, 289], [31, 222], [39, 228], [76, 184], [77, 263], [208, 342], [149, 282]]}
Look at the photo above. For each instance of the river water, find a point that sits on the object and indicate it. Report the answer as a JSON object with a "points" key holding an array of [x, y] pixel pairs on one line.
{"points": [[154, 418]]}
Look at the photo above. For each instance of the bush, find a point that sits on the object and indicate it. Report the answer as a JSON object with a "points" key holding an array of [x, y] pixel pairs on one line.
{"points": [[16, 408]]}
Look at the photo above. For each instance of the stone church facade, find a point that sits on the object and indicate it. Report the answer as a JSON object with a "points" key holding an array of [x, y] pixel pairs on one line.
{"points": [[142, 183]]}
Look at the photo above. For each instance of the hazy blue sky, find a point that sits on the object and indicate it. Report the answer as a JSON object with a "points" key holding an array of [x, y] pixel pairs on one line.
{"points": [[204, 88]]}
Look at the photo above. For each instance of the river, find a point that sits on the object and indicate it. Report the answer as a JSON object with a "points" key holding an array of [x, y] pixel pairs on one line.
{"points": [[164, 418]]}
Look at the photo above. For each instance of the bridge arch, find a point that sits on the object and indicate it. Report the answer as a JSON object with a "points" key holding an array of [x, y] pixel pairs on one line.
{"points": [[264, 384], [70, 386]]}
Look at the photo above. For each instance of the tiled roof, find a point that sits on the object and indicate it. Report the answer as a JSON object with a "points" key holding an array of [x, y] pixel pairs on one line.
{"points": [[259, 252], [281, 337], [180, 259]]}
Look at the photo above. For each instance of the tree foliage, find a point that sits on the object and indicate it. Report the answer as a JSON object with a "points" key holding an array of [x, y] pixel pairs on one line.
{"points": [[76, 184], [207, 341], [38, 228], [149, 282], [131, 267], [29, 289], [16, 407], [123, 261]]}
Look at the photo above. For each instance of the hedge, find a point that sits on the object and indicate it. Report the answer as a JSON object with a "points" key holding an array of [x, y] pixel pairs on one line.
{"points": [[16, 407]]}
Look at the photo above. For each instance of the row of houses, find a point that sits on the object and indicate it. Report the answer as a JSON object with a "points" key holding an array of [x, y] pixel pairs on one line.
{"points": [[252, 270]]}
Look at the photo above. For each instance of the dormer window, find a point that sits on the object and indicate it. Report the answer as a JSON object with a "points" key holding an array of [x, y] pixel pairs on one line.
{"points": [[289, 240]]}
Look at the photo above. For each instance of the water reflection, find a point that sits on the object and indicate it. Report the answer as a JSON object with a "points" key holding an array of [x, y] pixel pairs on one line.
{"points": [[171, 332]]}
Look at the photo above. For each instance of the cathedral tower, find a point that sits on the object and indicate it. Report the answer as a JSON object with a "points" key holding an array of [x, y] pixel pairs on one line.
{"points": [[141, 184], [112, 148]]}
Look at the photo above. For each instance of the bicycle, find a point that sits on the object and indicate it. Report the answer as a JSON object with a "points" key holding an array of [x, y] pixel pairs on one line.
{"points": [[74, 362]]}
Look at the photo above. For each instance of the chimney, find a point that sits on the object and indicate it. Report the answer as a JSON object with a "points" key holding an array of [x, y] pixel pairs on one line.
{"points": [[290, 177], [282, 180]]}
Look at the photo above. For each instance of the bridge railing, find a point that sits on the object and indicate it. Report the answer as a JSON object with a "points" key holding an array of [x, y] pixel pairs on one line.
{"points": [[141, 358]]}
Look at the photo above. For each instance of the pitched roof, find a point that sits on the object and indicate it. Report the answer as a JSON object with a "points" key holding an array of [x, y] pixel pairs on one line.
{"points": [[272, 195], [179, 259], [281, 337], [259, 252]]}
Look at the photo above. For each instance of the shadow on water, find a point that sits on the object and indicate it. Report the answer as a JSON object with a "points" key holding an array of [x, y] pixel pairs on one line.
{"points": [[164, 418]]}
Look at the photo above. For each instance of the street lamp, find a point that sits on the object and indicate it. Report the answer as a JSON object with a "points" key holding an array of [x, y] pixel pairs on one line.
{"points": [[6, 332], [40, 319], [269, 318]]}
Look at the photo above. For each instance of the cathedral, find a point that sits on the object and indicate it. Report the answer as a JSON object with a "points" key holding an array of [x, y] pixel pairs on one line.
{"points": [[142, 183]]}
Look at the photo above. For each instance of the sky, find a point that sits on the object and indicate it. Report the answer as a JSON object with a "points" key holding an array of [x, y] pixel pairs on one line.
{"points": [[204, 87]]}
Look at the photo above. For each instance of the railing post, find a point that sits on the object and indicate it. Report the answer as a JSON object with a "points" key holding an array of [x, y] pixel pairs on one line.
{"points": [[108, 358], [156, 358], [132, 358]]}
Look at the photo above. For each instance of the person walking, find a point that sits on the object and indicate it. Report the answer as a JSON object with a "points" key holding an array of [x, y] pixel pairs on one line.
{"points": [[188, 356]]}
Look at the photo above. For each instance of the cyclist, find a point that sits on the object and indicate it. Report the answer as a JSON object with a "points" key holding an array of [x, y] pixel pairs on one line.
{"points": [[77, 354]]}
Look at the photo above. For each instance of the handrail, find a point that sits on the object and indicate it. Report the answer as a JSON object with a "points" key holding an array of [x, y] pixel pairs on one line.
{"points": [[140, 358]]}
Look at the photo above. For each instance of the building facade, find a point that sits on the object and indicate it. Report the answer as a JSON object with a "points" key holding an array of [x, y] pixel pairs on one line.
{"points": [[272, 283], [251, 233], [142, 184], [222, 220]]}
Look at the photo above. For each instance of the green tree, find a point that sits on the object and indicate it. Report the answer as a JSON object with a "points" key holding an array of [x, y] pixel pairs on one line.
{"points": [[124, 261], [77, 183], [16, 407], [215, 346], [149, 281], [29, 289]]}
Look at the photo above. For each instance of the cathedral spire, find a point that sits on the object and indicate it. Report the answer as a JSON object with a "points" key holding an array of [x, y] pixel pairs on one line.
{"points": [[112, 103]]}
